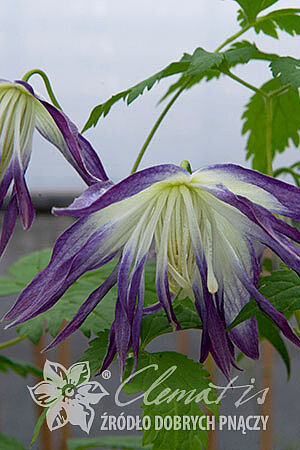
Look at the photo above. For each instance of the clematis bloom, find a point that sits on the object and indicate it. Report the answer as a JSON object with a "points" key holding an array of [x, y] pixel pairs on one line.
{"points": [[208, 229], [21, 111]]}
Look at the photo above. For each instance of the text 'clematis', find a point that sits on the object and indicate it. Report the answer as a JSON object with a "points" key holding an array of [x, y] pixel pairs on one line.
{"points": [[208, 229], [21, 111]]}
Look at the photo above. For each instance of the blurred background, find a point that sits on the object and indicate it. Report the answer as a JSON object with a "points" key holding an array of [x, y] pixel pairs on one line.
{"points": [[94, 49], [90, 51]]}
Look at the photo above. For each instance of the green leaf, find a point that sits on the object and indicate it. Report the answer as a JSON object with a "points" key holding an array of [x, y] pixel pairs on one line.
{"points": [[28, 266], [268, 330], [10, 443], [188, 376], [65, 309], [20, 367], [240, 52], [157, 324], [285, 125], [8, 286], [251, 8], [249, 310], [96, 352], [153, 325], [288, 70], [38, 427], [132, 93], [202, 60], [287, 20], [281, 288], [99, 319], [120, 442]]}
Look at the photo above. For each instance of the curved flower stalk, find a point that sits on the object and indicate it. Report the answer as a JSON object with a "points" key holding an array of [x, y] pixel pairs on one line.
{"points": [[21, 111], [208, 229]]}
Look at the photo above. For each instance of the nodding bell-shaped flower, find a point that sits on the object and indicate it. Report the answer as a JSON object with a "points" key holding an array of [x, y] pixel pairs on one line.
{"points": [[208, 229], [21, 111]]}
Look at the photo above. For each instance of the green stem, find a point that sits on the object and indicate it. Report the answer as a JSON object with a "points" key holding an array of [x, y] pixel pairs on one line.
{"points": [[269, 119], [245, 83], [155, 127], [233, 37], [12, 342], [47, 84]]}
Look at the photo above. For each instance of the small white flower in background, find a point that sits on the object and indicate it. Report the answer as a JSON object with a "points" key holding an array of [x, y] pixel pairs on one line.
{"points": [[68, 394]]}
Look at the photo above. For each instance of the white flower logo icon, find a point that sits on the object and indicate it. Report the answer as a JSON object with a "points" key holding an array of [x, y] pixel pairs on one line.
{"points": [[68, 394]]}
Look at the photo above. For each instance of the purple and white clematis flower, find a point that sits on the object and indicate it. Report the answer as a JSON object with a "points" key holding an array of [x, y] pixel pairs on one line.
{"points": [[208, 228], [21, 111]]}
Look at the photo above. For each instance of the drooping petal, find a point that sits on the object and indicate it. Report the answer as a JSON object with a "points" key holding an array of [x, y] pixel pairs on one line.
{"points": [[262, 225], [24, 200], [9, 221], [86, 308], [271, 193], [57, 128], [132, 185]]}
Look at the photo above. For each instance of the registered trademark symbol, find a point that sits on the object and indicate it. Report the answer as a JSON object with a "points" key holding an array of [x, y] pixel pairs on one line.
{"points": [[106, 374]]}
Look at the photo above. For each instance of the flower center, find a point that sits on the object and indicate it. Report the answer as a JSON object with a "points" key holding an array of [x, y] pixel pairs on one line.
{"points": [[185, 226]]}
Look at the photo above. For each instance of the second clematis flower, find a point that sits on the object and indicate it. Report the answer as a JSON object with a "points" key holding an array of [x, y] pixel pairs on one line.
{"points": [[207, 228], [21, 111]]}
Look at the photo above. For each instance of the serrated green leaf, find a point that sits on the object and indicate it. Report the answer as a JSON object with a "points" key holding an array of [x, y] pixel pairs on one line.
{"points": [[135, 91], [96, 351], [9, 286], [202, 60], [10, 443], [251, 8], [20, 367], [268, 330], [287, 20], [240, 52], [119, 442], [281, 288], [188, 376], [285, 124], [249, 310], [288, 70], [157, 324], [99, 319], [28, 266], [65, 309]]}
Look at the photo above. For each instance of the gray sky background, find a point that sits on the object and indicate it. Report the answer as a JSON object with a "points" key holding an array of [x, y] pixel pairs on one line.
{"points": [[95, 48]]}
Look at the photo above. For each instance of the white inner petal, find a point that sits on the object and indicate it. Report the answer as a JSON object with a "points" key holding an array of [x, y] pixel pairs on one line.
{"points": [[17, 120]]}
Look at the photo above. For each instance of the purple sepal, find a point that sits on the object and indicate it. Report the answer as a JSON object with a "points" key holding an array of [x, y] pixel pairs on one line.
{"points": [[132, 185], [111, 350], [24, 201], [286, 194], [267, 307], [86, 199], [5, 183], [9, 221], [272, 232], [85, 309]]}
